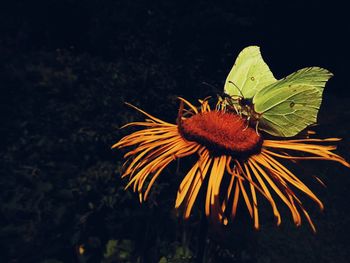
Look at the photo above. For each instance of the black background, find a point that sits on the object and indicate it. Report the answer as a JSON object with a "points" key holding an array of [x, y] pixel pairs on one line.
{"points": [[66, 67]]}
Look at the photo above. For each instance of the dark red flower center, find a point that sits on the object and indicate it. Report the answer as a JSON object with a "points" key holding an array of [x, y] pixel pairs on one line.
{"points": [[222, 133]]}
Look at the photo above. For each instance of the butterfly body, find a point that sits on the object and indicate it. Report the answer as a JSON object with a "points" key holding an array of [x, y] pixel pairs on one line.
{"points": [[243, 107]]}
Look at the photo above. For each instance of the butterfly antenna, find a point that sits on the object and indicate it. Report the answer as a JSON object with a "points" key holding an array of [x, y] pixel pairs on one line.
{"points": [[208, 84], [240, 92]]}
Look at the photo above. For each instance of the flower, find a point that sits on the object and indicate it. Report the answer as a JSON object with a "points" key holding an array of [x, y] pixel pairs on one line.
{"points": [[234, 162]]}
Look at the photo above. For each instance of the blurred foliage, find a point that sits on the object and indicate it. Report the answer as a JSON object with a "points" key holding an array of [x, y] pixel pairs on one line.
{"points": [[66, 69]]}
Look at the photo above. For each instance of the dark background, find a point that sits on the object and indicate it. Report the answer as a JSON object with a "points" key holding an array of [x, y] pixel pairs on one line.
{"points": [[66, 67]]}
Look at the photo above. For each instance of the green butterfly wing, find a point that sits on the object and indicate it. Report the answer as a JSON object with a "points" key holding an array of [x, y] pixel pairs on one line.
{"points": [[249, 73], [291, 104]]}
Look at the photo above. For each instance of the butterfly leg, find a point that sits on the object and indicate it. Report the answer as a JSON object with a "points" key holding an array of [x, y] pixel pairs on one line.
{"points": [[256, 128], [238, 112], [248, 119]]}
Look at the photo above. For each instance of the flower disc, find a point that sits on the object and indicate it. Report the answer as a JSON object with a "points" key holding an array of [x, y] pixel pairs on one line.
{"points": [[222, 133]]}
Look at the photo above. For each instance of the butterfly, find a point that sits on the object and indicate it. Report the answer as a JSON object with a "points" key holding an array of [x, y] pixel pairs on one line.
{"points": [[282, 107]]}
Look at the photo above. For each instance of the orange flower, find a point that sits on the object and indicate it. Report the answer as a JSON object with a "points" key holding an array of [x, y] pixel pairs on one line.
{"points": [[227, 149]]}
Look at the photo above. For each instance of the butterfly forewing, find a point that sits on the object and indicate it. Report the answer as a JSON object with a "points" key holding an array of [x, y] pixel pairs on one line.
{"points": [[249, 74]]}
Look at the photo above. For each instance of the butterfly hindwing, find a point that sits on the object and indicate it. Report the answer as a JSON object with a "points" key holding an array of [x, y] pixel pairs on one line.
{"points": [[291, 104]]}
